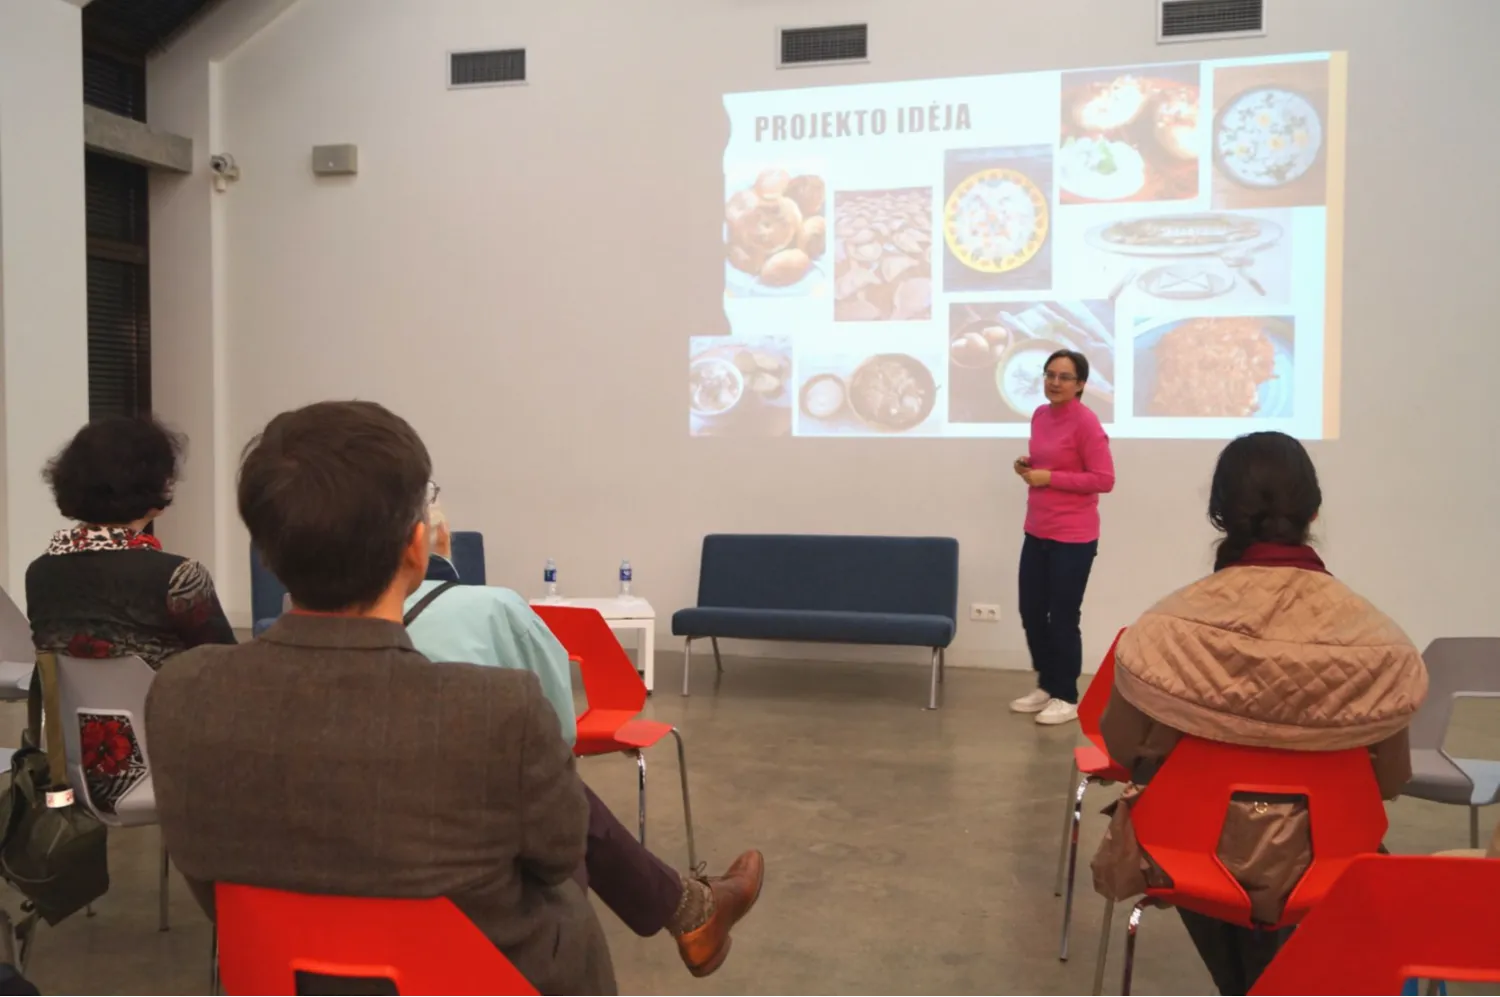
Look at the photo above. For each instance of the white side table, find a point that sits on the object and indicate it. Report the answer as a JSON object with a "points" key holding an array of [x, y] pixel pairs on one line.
{"points": [[623, 613]]}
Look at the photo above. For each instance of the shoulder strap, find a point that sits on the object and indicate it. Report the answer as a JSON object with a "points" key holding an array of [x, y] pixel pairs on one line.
{"points": [[44, 716], [426, 601]]}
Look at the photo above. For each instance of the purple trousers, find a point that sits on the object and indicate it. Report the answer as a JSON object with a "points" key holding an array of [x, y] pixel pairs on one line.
{"points": [[640, 888]]}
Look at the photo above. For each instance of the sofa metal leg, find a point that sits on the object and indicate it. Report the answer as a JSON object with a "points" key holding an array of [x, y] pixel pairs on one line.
{"points": [[942, 664], [687, 662], [932, 692], [1473, 826], [718, 661]]}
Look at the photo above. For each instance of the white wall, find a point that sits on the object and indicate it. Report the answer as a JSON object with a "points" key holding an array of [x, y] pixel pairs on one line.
{"points": [[43, 304], [516, 270]]}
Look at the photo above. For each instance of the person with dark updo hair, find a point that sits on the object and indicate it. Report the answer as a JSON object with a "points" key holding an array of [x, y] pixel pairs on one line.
{"points": [[1268, 651], [105, 588]]}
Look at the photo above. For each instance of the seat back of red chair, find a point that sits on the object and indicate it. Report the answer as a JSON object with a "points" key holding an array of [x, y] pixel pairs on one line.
{"points": [[1180, 815], [268, 937], [1392, 918], [1096, 696], [609, 679]]}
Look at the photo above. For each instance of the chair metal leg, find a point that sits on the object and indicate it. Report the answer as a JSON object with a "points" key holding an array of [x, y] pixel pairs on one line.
{"points": [[718, 661], [640, 764], [1103, 956], [932, 691], [1473, 826], [25, 933], [213, 970], [687, 661], [1083, 784], [165, 874], [1131, 927], [687, 803], [942, 664], [1062, 848]]}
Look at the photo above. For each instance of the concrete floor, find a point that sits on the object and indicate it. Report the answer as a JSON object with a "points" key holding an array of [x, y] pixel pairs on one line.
{"points": [[907, 852]]}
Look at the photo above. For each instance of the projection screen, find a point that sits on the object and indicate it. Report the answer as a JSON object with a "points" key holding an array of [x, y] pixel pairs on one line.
{"points": [[901, 258]]}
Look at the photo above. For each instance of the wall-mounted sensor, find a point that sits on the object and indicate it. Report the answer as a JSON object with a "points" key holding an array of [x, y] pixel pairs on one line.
{"points": [[335, 160]]}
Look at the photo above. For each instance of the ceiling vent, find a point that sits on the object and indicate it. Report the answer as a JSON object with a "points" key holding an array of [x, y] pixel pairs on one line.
{"points": [[492, 68], [824, 46], [1201, 20]]}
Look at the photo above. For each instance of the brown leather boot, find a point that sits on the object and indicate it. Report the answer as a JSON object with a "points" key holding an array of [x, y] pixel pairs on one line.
{"points": [[705, 948]]}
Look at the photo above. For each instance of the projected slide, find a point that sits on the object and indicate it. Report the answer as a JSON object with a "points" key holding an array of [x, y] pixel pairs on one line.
{"points": [[901, 258]]}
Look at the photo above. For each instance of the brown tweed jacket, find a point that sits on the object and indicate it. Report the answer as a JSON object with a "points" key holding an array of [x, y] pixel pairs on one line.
{"points": [[330, 757]]}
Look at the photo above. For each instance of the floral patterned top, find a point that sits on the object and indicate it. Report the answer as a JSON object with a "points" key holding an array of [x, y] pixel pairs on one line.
{"points": [[108, 592]]}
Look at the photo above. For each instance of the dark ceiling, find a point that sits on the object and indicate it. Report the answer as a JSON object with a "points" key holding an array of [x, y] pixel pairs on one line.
{"points": [[136, 28]]}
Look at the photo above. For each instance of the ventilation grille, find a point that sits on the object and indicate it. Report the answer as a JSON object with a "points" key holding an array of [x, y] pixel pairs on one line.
{"points": [[496, 67], [1191, 20], [813, 46]]}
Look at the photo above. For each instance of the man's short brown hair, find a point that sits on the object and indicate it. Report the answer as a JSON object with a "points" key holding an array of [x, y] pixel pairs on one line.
{"points": [[330, 494]]}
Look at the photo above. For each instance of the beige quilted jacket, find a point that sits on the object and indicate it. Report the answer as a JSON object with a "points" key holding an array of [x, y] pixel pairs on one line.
{"points": [[1275, 657]]}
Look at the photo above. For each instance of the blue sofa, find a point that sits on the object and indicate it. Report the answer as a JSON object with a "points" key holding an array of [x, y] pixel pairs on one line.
{"points": [[267, 592], [818, 588]]}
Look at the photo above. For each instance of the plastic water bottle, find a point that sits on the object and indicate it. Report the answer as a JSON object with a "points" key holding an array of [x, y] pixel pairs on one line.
{"points": [[549, 575], [625, 579]]}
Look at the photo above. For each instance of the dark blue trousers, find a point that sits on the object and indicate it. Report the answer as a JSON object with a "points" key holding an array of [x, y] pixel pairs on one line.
{"points": [[1054, 576]]}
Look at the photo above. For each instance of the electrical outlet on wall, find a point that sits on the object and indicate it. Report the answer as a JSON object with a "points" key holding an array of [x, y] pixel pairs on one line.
{"points": [[984, 612]]}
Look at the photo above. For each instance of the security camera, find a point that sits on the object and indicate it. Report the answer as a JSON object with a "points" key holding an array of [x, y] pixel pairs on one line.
{"points": [[225, 169]]}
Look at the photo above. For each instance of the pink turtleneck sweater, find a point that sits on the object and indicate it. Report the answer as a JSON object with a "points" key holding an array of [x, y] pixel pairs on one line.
{"points": [[1068, 441]]}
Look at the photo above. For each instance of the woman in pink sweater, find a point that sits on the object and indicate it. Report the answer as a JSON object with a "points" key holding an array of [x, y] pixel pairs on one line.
{"points": [[1068, 467]]}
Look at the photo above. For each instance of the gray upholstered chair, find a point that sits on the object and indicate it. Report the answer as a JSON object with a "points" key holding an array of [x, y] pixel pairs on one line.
{"points": [[1456, 667], [17, 654]]}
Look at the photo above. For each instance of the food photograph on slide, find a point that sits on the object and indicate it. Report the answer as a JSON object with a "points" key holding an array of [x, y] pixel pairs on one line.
{"points": [[876, 392], [740, 386], [996, 219], [1130, 135], [1215, 367], [775, 234], [1142, 261], [1270, 135], [882, 267], [997, 352]]}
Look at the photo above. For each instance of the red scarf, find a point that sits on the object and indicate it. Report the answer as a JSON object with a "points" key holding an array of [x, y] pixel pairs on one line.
{"points": [[1280, 556]]}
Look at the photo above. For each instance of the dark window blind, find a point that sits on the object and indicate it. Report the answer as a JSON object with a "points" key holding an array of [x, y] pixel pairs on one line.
{"points": [[119, 297], [114, 83], [119, 338]]}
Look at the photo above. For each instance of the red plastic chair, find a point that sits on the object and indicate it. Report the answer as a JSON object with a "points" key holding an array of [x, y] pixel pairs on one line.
{"points": [[1180, 815], [1389, 919], [267, 937], [1091, 761], [616, 695]]}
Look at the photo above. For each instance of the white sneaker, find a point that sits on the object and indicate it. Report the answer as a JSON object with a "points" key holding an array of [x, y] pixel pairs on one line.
{"points": [[1057, 712], [1033, 702]]}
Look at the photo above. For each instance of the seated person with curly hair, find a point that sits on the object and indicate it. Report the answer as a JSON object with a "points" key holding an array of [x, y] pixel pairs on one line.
{"points": [[105, 588]]}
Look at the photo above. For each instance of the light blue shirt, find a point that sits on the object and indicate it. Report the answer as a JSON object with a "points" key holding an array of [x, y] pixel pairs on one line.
{"points": [[485, 625]]}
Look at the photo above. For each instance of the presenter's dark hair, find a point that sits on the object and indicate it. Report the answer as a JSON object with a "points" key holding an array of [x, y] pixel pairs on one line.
{"points": [[1080, 366], [330, 494], [115, 470], [1265, 490]]}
